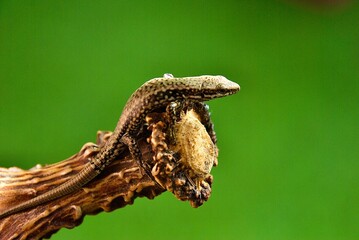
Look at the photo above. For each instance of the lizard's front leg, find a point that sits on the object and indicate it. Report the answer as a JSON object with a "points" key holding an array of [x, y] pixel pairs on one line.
{"points": [[203, 111]]}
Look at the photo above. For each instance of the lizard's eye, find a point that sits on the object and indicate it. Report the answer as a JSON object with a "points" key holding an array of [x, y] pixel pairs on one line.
{"points": [[219, 86], [205, 85]]}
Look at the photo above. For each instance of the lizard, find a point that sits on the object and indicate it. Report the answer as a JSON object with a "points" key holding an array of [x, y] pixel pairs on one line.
{"points": [[153, 94]]}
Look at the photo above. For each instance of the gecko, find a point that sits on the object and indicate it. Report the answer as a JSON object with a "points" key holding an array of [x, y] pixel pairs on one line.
{"points": [[153, 94]]}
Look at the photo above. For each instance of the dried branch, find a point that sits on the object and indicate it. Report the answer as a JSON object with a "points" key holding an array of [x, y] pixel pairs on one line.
{"points": [[117, 186]]}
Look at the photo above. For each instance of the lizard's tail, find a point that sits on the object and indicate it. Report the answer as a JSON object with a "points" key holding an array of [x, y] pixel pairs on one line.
{"points": [[83, 177]]}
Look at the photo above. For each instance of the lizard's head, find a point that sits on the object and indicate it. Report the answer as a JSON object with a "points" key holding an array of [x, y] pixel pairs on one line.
{"points": [[217, 86], [207, 87]]}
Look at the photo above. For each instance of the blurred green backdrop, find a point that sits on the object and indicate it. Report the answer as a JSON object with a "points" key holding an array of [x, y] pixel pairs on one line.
{"points": [[288, 164]]}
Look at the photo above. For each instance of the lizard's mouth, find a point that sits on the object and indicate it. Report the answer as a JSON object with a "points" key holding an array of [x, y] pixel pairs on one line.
{"points": [[217, 93]]}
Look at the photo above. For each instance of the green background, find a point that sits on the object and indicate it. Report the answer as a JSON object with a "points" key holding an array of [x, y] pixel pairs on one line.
{"points": [[289, 140]]}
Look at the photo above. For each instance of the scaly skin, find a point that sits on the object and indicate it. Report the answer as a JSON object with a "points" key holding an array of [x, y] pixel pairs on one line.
{"points": [[154, 94]]}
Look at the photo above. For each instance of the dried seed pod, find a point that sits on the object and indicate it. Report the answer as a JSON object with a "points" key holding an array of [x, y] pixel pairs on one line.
{"points": [[195, 146]]}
